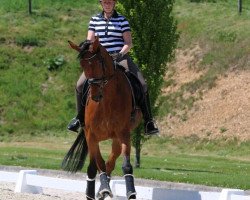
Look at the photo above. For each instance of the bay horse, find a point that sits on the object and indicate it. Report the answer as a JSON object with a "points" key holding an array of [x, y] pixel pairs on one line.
{"points": [[107, 116]]}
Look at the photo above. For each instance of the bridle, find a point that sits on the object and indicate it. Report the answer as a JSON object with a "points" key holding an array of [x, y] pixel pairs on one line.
{"points": [[103, 80]]}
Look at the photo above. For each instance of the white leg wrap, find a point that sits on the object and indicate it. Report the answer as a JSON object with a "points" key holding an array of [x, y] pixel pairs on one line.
{"points": [[90, 197], [128, 175], [89, 179]]}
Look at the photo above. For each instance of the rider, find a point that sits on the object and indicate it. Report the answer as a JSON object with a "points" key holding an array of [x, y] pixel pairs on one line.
{"points": [[114, 34]]}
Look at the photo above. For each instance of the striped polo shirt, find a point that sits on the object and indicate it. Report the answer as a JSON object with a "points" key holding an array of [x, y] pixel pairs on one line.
{"points": [[110, 31]]}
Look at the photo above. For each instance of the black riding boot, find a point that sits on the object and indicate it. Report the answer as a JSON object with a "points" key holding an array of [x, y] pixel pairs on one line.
{"points": [[81, 97], [77, 121], [149, 124]]}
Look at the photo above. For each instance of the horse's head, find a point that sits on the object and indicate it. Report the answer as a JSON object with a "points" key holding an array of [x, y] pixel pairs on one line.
{"points": [[97, 65]]}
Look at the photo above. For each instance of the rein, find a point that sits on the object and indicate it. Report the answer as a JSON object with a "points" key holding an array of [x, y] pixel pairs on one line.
{"points": [[103, 80], [90, 58], [100, 82]]}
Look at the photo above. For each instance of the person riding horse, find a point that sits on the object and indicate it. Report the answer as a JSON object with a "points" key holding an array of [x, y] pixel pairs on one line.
{"points": [[114, 34]]}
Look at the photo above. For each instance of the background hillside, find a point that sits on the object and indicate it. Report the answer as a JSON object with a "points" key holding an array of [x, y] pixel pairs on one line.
{"points": [[206, 92]]}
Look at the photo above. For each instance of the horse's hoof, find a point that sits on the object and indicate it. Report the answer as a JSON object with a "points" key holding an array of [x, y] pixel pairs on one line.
{"points": [[108, 198], [131, 196], [90, 198], [101, 195]]}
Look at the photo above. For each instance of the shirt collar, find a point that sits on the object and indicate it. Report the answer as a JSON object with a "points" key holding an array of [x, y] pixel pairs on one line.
{"points": [[115, 14]]}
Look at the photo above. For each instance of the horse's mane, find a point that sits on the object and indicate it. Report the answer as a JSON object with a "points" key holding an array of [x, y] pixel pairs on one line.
{"points": [[84, 48]]}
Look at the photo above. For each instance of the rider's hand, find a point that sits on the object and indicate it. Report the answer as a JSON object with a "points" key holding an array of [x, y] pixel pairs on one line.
{"points": [[84, 44], [119, 57]]}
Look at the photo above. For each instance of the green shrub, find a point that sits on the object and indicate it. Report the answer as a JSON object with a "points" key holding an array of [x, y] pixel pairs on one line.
{"points": [[5, 59], [226, 36], [28, 41], [55, 63], [2, 40]]}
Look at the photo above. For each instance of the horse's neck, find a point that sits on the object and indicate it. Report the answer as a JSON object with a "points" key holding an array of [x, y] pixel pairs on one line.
{"points": [[117, 84], [117, 79], [108, 62]]}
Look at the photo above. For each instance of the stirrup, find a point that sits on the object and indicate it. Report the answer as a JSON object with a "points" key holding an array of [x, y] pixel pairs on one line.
{"points": [[151, 128]]}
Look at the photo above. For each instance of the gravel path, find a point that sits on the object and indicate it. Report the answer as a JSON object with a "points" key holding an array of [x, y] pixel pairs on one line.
{"points": [[7, 189], [7, 193]]}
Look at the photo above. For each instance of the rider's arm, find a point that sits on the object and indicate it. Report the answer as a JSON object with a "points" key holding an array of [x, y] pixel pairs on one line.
{"points": [[127, 42], [91, 35]]}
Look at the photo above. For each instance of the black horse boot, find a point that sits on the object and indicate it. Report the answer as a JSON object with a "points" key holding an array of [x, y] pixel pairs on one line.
{"points": [[77, 121], [149, 124]]}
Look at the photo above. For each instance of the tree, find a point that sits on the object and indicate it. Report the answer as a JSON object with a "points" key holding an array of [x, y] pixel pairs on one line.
{"points": [[155, 37]]}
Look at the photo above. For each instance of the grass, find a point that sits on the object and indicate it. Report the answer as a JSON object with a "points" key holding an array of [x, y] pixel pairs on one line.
{"points": [[168, 159], [36, 64]]}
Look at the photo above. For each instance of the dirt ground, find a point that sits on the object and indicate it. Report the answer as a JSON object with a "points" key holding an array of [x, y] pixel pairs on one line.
{"points": [[7, 193], [223, 111]]}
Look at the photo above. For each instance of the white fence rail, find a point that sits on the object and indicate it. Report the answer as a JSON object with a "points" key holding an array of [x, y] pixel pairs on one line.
{"points": [[29, 182]]}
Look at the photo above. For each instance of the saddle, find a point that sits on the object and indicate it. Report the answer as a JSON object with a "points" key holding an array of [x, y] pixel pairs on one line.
{"points": [[136, 89]]}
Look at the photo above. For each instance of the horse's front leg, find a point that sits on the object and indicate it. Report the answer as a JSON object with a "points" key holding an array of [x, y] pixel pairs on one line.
{"points": [[104, 189], [91, 175], [128, 170], [115, 153]]}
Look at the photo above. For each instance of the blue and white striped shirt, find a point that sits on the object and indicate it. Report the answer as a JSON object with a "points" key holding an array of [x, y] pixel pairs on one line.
{"points": [[110, 31]]}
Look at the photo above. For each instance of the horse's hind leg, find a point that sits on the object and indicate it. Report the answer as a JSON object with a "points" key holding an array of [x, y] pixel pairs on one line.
{"points": [[128, 170]]}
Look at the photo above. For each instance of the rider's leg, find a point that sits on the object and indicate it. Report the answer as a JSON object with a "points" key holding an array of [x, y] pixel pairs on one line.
{"points": [[81, 95], [150, 126]]}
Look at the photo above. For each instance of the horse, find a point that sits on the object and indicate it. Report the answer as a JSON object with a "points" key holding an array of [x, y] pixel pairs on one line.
{"points": [[107, 116]]}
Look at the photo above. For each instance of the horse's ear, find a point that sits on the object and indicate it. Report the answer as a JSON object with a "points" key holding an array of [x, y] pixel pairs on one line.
{"points": [[74, 46], [95, 45]]}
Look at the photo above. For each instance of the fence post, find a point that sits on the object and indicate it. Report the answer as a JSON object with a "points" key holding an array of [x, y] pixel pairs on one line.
{"points": [[30, 7], [240, 6], [22, 186]]}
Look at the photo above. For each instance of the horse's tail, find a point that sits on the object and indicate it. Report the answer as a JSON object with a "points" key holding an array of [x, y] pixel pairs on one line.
{"points": [[76, 156]]}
